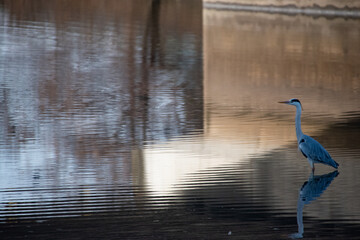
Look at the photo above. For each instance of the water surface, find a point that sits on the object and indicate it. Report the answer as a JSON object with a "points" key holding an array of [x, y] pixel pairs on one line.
{"points": [[159, 120]]}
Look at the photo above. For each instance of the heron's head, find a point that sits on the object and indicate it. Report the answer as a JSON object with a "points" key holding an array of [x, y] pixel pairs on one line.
{"points": [[294, 102]]}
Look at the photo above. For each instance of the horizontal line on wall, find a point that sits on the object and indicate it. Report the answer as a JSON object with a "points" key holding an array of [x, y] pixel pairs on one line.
{"points": [[292, 10]]}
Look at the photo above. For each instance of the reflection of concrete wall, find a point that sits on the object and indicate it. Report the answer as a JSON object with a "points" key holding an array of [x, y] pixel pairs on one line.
{"points": [[297, 3], [252, 60]]}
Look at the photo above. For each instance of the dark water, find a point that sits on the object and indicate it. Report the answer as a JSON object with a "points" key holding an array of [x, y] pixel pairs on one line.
{"points": [[159, 120]]}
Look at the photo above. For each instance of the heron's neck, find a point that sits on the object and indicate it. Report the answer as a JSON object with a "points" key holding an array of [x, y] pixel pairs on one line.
{"points": [[299, 133]]}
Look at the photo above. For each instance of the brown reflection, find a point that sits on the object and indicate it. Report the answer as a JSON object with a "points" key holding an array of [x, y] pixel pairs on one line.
{"points": [[258, 58]]}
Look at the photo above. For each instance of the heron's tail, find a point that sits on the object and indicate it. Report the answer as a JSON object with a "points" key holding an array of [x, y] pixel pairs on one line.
{"points": [[334, 164]]}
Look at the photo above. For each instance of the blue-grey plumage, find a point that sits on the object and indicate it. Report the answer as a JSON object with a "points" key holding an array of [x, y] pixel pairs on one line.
{"points": [[313, 150], [309, 147]]}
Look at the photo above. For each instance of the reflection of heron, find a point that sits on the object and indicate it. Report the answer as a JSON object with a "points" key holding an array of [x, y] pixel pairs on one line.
{"points": [[310, 148], [311, 190]]}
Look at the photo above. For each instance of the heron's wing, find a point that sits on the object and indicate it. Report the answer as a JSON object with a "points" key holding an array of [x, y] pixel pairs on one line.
{"points": [[313, 150]]}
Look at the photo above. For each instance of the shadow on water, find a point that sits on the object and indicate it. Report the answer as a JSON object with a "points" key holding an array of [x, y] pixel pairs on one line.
{"points": [[310, 191]]}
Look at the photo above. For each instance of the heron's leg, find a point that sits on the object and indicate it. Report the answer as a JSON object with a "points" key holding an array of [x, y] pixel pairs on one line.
{"points": [[312, 166]]}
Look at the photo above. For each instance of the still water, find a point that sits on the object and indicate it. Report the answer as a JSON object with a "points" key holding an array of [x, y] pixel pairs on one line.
{"points": [[142, 119]]}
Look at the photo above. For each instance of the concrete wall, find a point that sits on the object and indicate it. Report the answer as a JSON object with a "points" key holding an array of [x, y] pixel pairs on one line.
{"points": [[295, 3]]}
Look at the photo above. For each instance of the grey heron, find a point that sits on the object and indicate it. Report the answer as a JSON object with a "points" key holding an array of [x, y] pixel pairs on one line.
{"points": [[309, 147]]}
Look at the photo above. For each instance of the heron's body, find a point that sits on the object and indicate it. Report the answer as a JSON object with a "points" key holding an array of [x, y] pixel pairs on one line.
{"points": [[309, 147], [315, 153]]}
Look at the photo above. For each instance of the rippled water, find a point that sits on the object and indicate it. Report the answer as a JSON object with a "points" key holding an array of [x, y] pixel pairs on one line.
{"points": [[159, 120]]}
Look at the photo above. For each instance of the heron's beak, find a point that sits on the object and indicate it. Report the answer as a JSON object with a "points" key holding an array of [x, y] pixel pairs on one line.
{"points": [[287, 102]]}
